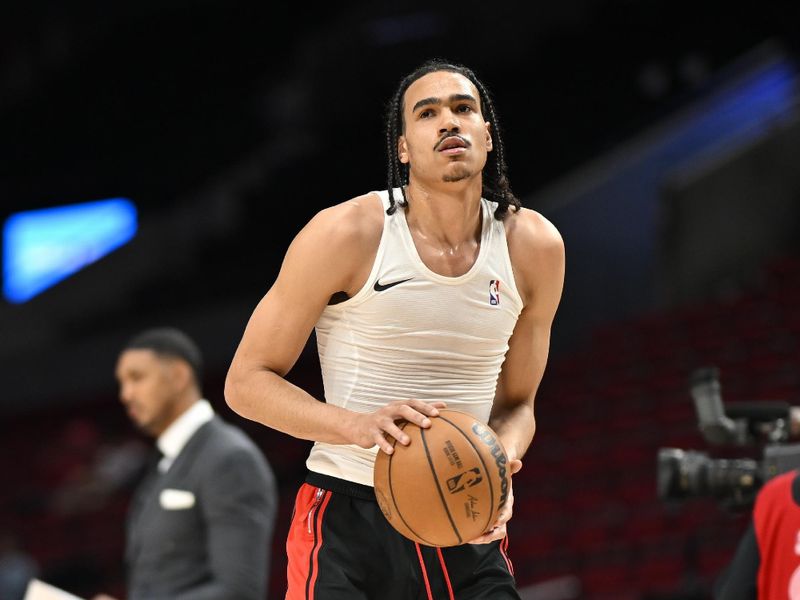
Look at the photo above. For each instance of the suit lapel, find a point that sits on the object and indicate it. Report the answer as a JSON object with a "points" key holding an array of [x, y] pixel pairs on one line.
{"points": [[144, 495], [186, 458]]}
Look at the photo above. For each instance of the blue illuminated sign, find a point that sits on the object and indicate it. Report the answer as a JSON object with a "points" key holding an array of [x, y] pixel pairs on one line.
{"points": [[42, 247]]}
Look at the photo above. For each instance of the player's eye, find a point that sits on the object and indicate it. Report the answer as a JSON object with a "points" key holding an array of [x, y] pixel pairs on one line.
{"points": [[464, 108]]}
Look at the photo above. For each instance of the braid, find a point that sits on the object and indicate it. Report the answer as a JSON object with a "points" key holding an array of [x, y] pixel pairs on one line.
{"points": [[394, 175], [391, 152], [496, 186]]}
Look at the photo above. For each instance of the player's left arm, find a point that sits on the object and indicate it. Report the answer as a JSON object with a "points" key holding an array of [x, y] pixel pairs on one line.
{"points": [[537, 256]]}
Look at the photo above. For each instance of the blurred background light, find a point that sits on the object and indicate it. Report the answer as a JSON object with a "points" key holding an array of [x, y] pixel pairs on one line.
{"points": [[42, 247]]}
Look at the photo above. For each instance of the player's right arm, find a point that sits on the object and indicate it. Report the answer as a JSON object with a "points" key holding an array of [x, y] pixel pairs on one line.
{"points": [[334, 252]]}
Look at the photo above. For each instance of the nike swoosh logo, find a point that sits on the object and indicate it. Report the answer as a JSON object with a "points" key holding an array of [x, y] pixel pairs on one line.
{"points": [[380, 287]]}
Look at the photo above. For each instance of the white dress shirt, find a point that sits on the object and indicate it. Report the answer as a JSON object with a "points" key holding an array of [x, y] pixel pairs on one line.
{"points": [[175, 437]]}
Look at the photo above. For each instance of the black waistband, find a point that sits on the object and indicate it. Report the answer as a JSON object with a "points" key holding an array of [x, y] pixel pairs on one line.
{"points": [[341, 486]]}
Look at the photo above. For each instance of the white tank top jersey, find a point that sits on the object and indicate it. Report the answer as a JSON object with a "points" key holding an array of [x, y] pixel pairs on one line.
{"points": [[412, 333]]}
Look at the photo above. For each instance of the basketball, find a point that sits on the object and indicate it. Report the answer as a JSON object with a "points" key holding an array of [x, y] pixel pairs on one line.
{"points": [[448, 485]]}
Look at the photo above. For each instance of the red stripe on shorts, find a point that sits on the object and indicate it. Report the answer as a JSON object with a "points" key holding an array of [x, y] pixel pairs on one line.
{"points": [[304, 542], [445, 573], [424, 572], [504, 552], [315, 556]]}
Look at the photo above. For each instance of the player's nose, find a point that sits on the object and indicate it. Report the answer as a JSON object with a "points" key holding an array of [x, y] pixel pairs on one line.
{"points": [[450, 122]]}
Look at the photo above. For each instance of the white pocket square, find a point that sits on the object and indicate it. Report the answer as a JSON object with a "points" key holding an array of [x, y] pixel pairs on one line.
{"points": [[176, 499]]}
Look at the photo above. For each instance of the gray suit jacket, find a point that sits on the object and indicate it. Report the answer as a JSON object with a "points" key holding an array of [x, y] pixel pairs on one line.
{"points": [[203, 529]]}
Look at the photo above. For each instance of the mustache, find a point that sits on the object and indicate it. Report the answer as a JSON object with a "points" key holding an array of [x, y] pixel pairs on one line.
{"points": [[451, 135]]}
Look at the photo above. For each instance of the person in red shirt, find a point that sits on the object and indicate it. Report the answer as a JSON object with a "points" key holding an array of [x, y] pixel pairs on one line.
{"points": [[766, 565]]}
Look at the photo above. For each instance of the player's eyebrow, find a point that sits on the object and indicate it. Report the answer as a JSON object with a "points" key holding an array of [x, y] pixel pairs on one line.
{"points": [[434, 100], [425, 102], [467, 97]]}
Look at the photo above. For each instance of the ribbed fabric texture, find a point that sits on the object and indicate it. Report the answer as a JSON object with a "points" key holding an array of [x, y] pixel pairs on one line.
{"points": [[429, 337]]}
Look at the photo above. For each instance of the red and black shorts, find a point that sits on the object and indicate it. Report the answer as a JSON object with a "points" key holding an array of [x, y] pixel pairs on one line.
{"points": [[340, 546]]}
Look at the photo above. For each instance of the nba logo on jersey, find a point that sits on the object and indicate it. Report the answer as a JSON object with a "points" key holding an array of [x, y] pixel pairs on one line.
{"points": [[494, 292]]}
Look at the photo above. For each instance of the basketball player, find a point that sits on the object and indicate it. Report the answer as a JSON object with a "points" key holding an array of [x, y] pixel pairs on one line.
{"points": [[439, 291]]}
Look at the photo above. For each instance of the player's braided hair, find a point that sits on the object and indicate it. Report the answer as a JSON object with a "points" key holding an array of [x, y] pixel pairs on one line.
{"points": [[496, 186]]}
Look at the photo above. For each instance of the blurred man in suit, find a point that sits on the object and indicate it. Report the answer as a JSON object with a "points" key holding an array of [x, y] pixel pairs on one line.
{"points": [[201, 521]]}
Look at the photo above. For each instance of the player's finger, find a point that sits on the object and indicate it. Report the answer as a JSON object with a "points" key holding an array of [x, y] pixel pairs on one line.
{"points": [[383, 443], [496, 533], [502, 518], [430, 409], [411, 415], [393, 430]]}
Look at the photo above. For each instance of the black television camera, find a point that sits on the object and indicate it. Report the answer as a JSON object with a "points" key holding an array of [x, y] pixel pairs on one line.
{"points": [[733, 481]]}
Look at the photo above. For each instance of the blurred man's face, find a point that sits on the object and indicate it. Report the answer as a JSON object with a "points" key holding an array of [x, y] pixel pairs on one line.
{"points": [[148, 388]]}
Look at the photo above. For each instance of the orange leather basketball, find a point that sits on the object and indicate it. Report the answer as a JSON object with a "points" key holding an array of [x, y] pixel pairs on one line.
{"points": [[448, 485]]}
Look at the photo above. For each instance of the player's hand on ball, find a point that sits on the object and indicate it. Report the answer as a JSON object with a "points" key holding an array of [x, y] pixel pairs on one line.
{"points": [[370, 429], [498, 530]]}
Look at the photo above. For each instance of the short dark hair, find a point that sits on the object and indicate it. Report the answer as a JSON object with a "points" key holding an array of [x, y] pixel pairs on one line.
{"points": [[170, 342], [496, 186]]}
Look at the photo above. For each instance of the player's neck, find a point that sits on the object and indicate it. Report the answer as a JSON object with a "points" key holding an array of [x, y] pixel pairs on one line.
{"points": [[449, 215]]}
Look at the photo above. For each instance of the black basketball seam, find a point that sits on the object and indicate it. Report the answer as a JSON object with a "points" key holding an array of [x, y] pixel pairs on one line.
{"points": [[486, 469], [438, 487], [391, 493]]}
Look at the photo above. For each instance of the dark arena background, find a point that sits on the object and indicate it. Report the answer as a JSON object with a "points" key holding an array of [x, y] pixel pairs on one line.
{"points": [[661, 137]]}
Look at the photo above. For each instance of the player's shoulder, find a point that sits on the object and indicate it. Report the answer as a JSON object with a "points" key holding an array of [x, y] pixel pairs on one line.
{"points": [[529, 231], [354, 222], [536, 250]]}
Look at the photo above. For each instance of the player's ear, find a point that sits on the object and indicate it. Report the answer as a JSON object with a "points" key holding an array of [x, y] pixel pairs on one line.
{"points": [[402, 149], [489, 143]]}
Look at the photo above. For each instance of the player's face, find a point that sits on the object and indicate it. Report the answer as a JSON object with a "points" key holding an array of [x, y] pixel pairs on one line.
{"points": [[147, 389], [445, 136]]}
